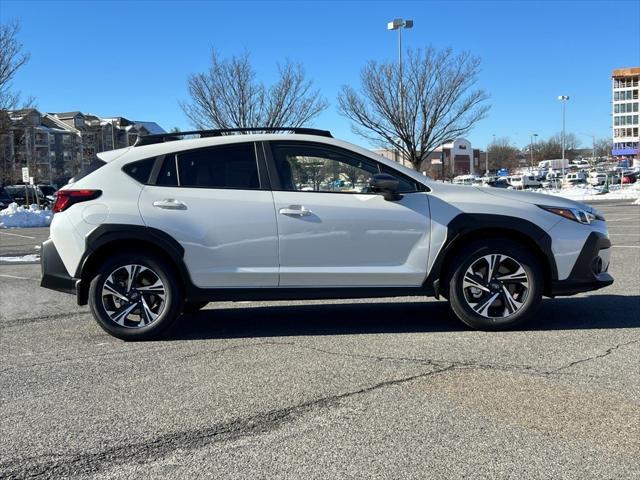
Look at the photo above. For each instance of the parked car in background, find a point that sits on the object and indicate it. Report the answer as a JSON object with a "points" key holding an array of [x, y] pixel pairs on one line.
{"points": [[598, 178], [5, 198], [168, 225], [466, 180], [521, 182], [627, 176], [575, 178], [499, 182], [49, 191], [19, 194]]}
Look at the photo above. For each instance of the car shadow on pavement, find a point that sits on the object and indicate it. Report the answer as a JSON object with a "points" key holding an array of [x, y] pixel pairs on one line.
{"points": [[281, 320]]}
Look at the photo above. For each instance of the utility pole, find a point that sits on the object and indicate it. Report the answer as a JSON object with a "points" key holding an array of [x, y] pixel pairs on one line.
{"points": [[486, 162], [531, 147], [563, 99]]}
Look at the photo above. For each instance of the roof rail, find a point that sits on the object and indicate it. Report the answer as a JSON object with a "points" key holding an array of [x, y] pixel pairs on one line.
{"points": [[167, 137]]}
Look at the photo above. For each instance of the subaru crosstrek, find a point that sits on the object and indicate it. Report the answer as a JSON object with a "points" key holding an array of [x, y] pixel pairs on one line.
{"points": [[165, 226]]}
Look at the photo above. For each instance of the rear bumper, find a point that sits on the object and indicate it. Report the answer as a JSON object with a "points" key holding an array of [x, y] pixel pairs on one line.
{"points": [[54, 274], [590, 270]]}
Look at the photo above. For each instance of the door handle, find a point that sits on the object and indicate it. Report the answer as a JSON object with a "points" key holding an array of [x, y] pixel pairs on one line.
{"points": [[170, 204], [295, 211]]}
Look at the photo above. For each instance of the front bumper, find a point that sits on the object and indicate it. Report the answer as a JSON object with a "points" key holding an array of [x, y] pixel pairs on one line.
{"points": [[590, 270], [54, 274]]}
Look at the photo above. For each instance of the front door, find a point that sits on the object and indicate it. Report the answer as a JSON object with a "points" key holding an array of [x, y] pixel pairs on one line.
{"points": [[333, 232], [211, 201]]}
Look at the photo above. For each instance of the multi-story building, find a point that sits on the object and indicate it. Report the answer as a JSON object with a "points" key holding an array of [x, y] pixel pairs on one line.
{"points": [[626, 106], [55, 146]]}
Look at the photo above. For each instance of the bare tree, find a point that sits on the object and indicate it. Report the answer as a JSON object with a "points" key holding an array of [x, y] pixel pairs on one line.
{"points": [[435, 103], [502, 154], [11, 60], [552, 148], [228, 95], [603, 148]]}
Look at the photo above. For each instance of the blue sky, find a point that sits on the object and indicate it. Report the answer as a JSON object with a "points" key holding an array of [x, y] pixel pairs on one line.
{"points": [[132, 58]]}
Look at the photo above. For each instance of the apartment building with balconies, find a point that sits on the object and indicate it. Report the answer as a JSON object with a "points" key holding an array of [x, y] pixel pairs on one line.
{"points": [[55, 146]]}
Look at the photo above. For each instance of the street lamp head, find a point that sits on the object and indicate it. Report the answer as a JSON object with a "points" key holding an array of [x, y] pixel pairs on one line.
{"points": [[397, 23], [563, 98]]}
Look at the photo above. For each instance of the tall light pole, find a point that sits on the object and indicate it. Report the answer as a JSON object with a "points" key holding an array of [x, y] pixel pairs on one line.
{"points": [[563, 99], [531, 146], [398, 24]]}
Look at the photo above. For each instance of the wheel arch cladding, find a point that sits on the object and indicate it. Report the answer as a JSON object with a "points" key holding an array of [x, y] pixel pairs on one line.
{"points": [[108, 239], [466, 228]]}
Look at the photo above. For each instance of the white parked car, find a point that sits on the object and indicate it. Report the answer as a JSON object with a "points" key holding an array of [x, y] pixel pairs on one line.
{"points": [[598, 178], [164, 227], [466, 180], [524, 181], [575, 178]]}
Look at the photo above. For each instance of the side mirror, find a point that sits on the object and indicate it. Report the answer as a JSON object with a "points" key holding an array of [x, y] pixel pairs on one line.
{"points": [[386, 185]]}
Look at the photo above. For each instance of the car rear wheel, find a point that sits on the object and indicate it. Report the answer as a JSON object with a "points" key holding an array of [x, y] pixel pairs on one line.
{"points": [[135, 296], [495, 285]]}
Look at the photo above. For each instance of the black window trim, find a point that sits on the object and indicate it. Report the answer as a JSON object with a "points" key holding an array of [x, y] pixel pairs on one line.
{"points": [[275, 178], [258, 152]]}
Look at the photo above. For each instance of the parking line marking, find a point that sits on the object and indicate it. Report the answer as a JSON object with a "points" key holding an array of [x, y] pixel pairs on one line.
{"points": [[625, 246], [16, 235], [622, 219], [15, 276]]}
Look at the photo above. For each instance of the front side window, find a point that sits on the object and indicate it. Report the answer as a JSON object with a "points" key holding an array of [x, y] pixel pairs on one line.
{"points": [[310, 168], [226, 166]]}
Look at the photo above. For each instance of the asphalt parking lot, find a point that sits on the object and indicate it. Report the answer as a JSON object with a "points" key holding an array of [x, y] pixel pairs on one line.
{"points": [[340, 389]]}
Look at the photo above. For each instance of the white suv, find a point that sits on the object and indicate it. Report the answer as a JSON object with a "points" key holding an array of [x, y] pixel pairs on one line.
{"points": [[165, 226]]}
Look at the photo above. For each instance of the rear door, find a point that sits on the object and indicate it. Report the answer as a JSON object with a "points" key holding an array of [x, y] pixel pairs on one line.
{"points": [[333, 231], [217, 203]]}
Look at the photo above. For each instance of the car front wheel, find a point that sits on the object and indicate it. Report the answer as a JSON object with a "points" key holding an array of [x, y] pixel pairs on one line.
{"points": [[135, 296], [495, 285]]}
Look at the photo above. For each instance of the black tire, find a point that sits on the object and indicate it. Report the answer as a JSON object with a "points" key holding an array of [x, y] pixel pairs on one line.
{"points": [[193, 307], [167, 309], [511, 307]]}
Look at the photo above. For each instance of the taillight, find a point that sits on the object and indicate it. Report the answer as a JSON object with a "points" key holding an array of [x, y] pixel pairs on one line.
{"points": [[66, 198]]}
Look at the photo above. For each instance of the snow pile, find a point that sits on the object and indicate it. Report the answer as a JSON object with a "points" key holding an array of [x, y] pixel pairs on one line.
{"points": [[637, 202], [32, 216], [24, 258], [585, 193]]}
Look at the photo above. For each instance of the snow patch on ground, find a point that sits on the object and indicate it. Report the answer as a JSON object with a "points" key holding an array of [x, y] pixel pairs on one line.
{"points": [[637, 202], [586, 193], [34, 257], [15, 216]]}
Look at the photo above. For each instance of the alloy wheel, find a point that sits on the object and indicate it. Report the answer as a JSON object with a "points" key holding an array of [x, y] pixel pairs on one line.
{"points": [[133, 296], [495, 286]]}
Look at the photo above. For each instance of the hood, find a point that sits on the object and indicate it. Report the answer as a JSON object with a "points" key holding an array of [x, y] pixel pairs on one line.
{"points": [[533, 198]]}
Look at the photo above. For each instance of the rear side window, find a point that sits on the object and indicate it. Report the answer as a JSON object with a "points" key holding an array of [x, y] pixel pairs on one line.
{"points": [[226, 166], [140, 170], [167, 177]]}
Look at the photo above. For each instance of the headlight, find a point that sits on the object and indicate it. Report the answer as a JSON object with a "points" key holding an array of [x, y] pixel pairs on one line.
{"points": [[576, 214]]}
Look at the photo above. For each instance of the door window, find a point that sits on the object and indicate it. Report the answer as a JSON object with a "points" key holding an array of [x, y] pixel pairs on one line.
{"points": [[226, 166], [310, 168]]}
